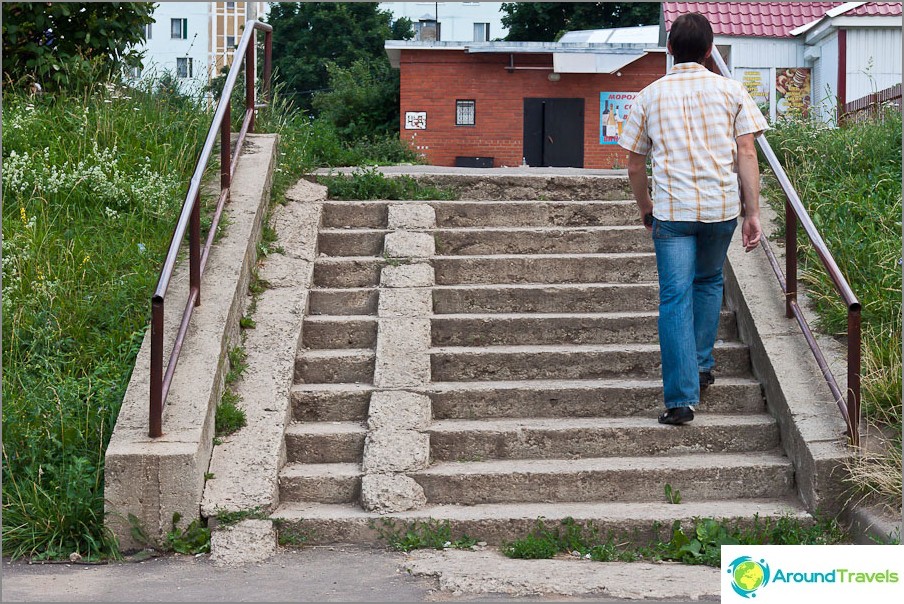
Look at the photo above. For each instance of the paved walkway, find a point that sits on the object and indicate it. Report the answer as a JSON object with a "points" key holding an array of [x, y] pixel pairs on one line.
{"points": [[353, 574], [415, 170]]}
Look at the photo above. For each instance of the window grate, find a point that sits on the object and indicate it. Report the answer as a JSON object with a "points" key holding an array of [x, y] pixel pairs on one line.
{"points": [[465, 111]]}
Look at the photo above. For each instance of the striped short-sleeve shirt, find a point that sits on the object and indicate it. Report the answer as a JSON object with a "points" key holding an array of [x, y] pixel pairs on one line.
{"points": [[688, 122]]}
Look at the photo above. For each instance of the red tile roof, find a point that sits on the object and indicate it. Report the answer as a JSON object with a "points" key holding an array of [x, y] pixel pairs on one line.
{"points": [[883, 9], [763, 19]]}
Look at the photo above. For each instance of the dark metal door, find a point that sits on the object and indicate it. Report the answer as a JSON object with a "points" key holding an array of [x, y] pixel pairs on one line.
{"points": [[554, 132]]}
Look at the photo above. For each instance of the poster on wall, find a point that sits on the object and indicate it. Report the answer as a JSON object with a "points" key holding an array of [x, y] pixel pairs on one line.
{"points": [[756, 81], [415, 120], [792, 88], [614, 108]]}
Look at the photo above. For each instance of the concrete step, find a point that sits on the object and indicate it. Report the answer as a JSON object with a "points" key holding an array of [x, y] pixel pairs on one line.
{"points": [[545, 268], [351, 242], [570, 297], [355, 214], [516, 329], [325, 442], [640, 523], [561, 438], [352, 271], [497, 240], [487, 185], [343, 331], [540, 240], [330, 402], [582, 398], [334, 366], [350, 301], [320, 483], [534, 213], [697, 477], [635, 361]]}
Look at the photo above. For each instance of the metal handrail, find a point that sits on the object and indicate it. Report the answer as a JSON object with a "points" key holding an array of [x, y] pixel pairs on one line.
{"points": [[794, 213], [190, 217]]}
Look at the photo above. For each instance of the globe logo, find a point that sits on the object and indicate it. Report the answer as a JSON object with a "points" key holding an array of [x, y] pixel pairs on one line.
{"points": [[748, 575]]}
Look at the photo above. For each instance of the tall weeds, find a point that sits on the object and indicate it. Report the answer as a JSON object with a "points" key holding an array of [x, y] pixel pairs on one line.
{"points": [[849, 179], [91, 185]]}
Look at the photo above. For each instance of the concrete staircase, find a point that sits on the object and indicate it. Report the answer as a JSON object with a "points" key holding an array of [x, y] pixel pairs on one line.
{"points": [[544, 381]]}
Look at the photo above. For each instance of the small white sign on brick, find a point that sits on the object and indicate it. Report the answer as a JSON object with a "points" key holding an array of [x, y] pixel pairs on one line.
{"points": [[415, 120]]}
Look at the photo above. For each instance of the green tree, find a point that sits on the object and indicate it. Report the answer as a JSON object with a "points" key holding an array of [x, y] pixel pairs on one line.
{"points": [[547, 21], [66, 44], [363, 100], [312, 35]]}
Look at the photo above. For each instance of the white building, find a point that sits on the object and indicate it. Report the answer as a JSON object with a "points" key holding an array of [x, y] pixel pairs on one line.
{"points": [[193, 40], [178, 42], [808, 56], [457, 21]]}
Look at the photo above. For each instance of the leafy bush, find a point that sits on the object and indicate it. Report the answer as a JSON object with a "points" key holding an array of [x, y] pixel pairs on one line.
{"points": [[68, 45], [363, 100]]}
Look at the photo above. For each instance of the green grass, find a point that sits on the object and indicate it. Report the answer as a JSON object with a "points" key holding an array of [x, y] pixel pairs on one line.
{"points": [[849, 179], [698, 544], [428, 534], [230, 418], [92, 183], [370, 183]]}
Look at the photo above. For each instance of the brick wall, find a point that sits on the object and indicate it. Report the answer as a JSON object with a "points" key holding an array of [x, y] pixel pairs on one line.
{"points": [[432, 80]]}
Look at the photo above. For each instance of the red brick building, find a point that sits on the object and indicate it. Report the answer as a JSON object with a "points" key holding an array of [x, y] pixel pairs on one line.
{"points": [[504, 103]]}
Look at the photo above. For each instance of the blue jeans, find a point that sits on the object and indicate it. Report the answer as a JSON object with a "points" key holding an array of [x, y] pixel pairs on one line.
{"points": [[689, 259]]}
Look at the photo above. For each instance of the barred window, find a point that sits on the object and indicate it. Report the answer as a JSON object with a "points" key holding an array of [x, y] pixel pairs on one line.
{"points": [[464, 113]]}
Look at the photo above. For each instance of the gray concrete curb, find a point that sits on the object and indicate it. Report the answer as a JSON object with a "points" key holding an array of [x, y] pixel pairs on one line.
{"points": [[245, 466], [155, 478]]}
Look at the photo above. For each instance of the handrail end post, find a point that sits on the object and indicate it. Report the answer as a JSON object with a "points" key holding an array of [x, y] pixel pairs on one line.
{"points": [[155, 417], [854, 371]]}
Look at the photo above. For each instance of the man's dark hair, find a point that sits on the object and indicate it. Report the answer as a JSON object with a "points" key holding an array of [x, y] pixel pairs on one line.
{"points": [[690, 37]]}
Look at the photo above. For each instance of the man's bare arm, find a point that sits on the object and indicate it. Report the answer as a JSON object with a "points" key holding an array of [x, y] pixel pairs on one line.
{"points": [[640, 186], [749, 175]]}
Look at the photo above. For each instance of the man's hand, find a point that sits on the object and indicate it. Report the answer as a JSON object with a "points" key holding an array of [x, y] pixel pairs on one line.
{"points": [[751, 232], [749, 176]]}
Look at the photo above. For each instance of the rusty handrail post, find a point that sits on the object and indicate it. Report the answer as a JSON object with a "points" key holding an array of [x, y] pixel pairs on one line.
{"points": [[155, 418], [225, 147], [194, 249], [790, 258], [268, 64], [250, 72], [854, 369]]}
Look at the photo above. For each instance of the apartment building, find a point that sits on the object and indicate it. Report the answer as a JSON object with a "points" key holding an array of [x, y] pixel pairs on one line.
{"points": [[194, 40], [451, 21]]}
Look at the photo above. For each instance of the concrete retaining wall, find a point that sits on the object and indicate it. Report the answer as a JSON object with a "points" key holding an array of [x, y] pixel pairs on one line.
{"points": [[154, 478], [812, 429]]}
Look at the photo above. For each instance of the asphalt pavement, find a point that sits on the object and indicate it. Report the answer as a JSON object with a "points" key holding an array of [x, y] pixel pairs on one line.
{"points": [[357, 574]]}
